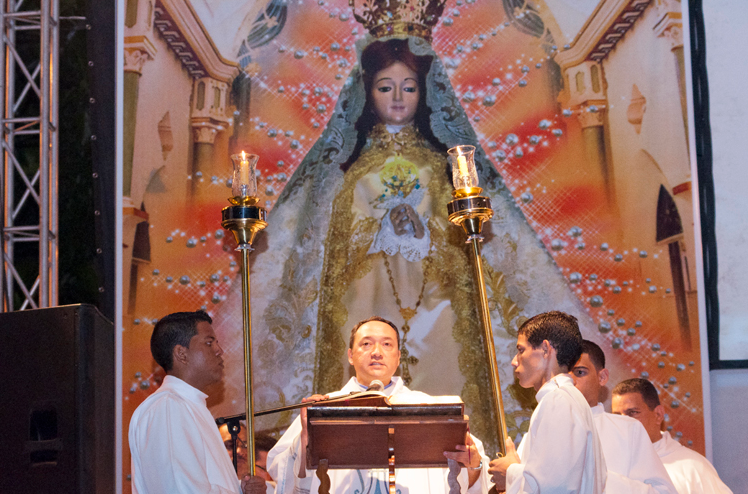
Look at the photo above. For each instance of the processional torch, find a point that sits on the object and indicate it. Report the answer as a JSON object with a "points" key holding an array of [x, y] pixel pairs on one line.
{"points": [[470, 210], [244, 218]]}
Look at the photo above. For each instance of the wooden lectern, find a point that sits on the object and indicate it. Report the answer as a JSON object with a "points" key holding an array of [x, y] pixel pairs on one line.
{"points": [[367, 432]]}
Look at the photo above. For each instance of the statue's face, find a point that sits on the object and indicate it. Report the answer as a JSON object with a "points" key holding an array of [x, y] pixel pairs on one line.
{"points": [[395, 94]]}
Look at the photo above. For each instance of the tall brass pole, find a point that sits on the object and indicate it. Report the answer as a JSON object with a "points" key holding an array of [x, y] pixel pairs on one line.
{"points": [[248, 395], [470, 211], [245, 221]]}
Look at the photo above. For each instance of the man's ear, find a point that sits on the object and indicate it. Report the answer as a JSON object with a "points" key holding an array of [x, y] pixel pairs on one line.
{"points": [[660, 414], [350, 356], [603, 376], [179, 354], [546, 347]]}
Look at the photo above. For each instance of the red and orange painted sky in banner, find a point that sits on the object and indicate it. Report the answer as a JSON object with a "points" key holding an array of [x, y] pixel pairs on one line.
{"points": [[505, 82]]}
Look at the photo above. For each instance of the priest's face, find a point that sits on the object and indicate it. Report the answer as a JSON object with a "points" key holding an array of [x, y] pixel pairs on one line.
{"points": [[633, 405], [588, 379], [530, 364], [374, 354], [395, 94]]}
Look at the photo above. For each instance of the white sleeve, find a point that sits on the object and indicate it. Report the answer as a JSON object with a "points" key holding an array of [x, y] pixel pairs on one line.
{"points": [[483, 484], [171, 452], [284, 462], [556, 460]]}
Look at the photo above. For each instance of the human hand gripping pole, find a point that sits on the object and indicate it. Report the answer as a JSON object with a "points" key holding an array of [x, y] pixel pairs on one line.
{"points": [[498, 467]]}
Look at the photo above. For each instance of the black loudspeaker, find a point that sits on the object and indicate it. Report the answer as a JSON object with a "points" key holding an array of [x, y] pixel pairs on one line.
{"points": [[57, 413]]}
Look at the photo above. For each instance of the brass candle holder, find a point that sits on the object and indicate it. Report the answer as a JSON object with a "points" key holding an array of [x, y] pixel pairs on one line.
{"points": [[470, 210], [244, 219]]}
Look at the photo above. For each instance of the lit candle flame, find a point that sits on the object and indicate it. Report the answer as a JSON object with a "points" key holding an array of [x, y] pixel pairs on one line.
{"points": [[244, 170]]}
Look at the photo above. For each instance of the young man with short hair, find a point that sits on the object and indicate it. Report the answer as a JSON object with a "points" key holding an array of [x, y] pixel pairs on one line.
{"points": [[561, 452], [690, 472], [174, 441], [633, 465]]}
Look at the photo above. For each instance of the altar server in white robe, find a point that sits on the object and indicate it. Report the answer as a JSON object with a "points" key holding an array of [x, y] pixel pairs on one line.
{"points": [[374, 354], [633, 464], [690, 472], [174, 441], [561, 452]]}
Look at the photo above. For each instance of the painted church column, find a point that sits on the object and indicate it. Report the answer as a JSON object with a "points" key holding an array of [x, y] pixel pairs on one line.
{"points": [[208, 119], [670, 26], [593, 132], [585, 96], [139, 49], [242, 92]]}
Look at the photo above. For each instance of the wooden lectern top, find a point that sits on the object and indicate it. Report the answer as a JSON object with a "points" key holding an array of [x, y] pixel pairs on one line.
{"points": [[357, 431]]}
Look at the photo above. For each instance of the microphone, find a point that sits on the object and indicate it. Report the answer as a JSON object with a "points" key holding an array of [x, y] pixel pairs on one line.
{"points": [[376, 385]]}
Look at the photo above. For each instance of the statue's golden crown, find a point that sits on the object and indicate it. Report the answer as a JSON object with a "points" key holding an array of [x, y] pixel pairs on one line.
{"points": [[399, 17]]}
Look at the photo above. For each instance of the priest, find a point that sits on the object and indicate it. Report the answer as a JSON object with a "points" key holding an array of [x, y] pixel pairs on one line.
{"points": [[374, 354]]}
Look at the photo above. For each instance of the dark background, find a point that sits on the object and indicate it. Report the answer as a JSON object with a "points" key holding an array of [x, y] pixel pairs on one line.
{"points": [[86, 163]]}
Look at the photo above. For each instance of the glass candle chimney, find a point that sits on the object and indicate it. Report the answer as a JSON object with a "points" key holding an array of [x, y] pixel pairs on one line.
{"points": [[244, 182], [464, 175]]}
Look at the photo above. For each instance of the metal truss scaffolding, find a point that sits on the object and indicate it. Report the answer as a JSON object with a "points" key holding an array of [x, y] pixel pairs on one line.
{"points": [[28, 127]]}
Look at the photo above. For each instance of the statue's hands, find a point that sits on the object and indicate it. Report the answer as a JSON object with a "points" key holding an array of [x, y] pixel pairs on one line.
{"points": [[404, 215]]}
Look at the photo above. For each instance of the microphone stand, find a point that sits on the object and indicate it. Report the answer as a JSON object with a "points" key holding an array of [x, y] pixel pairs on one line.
{"points": [[234, 426]]}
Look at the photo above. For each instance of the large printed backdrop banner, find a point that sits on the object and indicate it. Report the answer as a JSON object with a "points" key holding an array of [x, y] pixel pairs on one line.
{"points": [[579, 112]]}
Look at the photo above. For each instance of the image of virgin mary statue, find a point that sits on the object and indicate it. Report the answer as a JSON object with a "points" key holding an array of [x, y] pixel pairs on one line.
{"points": [[361, 229]]}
